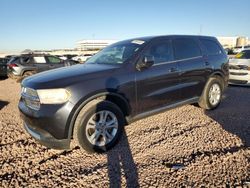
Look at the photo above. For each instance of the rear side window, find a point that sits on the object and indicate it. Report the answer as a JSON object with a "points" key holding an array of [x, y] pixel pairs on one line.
{"points": [[161, 51], [185, 48], [53, 59], [212, 47], [25, 59], [39, 59]]}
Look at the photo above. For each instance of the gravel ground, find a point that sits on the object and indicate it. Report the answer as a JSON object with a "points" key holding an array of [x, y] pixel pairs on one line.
{"points": [[185, 146]]}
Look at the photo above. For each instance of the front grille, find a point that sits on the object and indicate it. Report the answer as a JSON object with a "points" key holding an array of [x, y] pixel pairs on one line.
{"points": [[238, 67], [238, 81], [239, 73]]}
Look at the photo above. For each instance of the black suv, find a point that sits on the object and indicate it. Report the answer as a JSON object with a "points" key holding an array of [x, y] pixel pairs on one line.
{"points": [[124, 82], [29, 64], [3, 67]]}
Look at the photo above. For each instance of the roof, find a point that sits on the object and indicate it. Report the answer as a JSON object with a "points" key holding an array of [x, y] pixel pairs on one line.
{"points": [[148, 38]]}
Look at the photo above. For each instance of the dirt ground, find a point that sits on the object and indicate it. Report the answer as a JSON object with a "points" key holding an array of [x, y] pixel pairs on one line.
{"points": [[185, 147]]}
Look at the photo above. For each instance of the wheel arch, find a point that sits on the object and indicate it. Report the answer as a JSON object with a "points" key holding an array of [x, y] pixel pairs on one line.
{"points": [[26, 70], [118, 99], [221, 76]]}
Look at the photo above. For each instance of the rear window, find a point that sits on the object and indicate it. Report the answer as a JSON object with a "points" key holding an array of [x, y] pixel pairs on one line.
{"points": [[212, 47], [185, 48], [12, 59]]}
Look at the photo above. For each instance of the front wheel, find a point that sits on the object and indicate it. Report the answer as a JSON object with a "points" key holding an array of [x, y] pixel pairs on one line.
{"points": [[98, 126], [212, 94]]}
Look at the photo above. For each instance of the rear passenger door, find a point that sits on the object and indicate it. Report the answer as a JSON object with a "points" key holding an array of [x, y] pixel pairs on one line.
{"points": [[192, 66], [214, 54], [54, 62], [157, 86]]}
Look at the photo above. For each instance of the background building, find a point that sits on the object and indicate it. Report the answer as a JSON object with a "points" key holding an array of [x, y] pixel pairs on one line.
{"points": [[230, 42], [93, 44]]}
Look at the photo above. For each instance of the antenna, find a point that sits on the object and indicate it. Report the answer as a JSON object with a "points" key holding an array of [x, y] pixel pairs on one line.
{"points": [[201, 27]]}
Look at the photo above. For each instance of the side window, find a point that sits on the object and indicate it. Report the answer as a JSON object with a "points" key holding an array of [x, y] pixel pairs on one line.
{"points": [[53, 59], [40, 59], [247, 54], [24, 59], [212, 47], [185, 48], [162, 51]]}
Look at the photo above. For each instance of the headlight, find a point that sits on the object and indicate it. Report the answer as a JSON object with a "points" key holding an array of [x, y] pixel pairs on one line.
{"points": [[53, 96], [30, 98]]}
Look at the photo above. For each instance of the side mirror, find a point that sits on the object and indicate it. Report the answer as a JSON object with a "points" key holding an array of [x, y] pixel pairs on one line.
{"points": [[146, 62]]}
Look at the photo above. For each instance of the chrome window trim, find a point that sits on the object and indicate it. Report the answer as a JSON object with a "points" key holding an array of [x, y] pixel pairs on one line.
{"points": [[176, 61]]}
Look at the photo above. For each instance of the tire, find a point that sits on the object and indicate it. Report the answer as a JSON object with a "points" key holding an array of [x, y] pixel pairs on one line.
{"points": [[212, 94], [28, 73], [88, 123]]}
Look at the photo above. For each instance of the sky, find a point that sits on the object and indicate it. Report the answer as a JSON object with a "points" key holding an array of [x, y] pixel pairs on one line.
{"points": [[57, 24]]}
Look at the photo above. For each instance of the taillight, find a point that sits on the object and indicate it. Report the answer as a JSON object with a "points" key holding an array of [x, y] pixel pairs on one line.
{"points": [[12, 65]]}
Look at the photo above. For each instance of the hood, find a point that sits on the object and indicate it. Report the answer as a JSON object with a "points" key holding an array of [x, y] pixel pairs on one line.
{"points": [[62, 77]]}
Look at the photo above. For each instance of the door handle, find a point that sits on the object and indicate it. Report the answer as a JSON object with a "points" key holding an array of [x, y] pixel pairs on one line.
{"points": [[173, 69]]}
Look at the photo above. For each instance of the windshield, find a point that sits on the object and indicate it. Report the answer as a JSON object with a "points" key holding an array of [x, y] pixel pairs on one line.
{"points": [[243, 55], [117, 53]]}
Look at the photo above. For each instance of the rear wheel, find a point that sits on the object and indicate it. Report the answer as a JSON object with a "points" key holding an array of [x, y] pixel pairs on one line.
{"points": [[28, 73], [98, 126], [212, 94], [25, 74]]}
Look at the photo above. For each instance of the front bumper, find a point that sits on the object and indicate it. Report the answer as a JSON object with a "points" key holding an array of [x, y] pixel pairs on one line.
{"points": [[239, 77], [47, 139], [49, 125]]}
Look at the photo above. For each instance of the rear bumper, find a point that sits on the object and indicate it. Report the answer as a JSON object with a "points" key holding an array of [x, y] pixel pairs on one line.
{"points": [[47, 139], [11, 75]]}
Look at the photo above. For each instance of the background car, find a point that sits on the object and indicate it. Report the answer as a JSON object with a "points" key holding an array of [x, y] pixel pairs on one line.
{"points": [[239, 49], [239, 68], [66, 56], [3, 67], [29, 64], [82, 58]]}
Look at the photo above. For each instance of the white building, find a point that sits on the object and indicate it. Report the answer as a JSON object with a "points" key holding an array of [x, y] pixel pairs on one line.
{"points": [[228, 41], [93, 44]]}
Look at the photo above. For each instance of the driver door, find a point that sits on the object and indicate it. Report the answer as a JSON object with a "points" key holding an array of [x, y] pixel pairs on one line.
{"points": [[157, 86]]}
